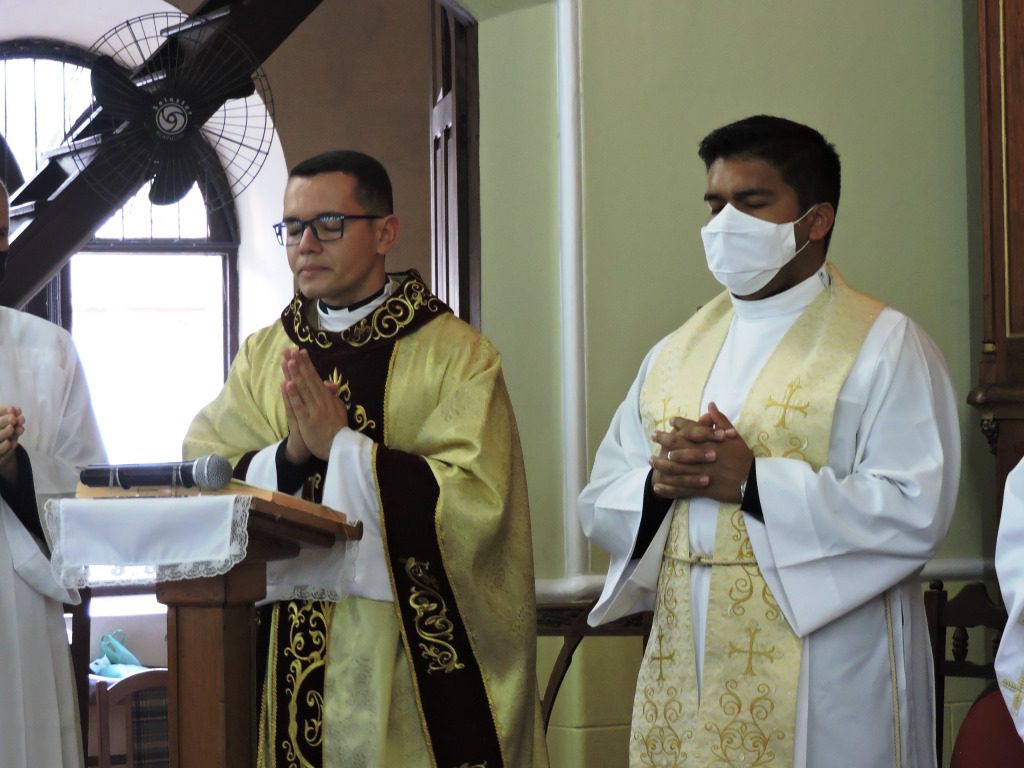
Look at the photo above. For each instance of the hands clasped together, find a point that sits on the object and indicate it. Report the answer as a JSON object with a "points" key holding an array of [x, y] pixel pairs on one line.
{"points": [[705, 458], [12, 426], [315, 413]]}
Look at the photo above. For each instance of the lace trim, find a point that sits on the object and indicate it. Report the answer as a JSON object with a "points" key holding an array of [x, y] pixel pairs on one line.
{"points": [[124, 575], [316, 574]]}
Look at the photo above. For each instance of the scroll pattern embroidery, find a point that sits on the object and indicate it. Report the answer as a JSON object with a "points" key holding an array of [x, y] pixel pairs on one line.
{"points": [[309, 625], [385, 322], [393, 315], [743, 741], [302, 330], [433, 626], [343, 390]]}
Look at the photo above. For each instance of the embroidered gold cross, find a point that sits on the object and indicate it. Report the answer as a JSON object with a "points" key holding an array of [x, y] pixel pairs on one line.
{"points": [[1018, 691], [768, 653], [662, 659], [787, 404], [663, 423]]}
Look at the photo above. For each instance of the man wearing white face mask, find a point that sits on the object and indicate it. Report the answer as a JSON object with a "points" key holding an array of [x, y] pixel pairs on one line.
{"points": [[777, 476]]}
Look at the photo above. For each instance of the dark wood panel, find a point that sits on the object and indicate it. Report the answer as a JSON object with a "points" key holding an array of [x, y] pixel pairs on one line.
{"points": [[999, 395]]}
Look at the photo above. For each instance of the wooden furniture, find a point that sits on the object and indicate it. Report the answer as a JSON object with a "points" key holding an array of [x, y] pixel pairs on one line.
{"points": [[569, 621], [122, 694], [211, 627], [988, 737], [972, 607], [81, 628], [999, 395], [211, 639]]}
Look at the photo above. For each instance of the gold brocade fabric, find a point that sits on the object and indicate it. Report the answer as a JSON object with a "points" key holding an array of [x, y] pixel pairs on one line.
{"points": [[445, 401], [745, 714]]}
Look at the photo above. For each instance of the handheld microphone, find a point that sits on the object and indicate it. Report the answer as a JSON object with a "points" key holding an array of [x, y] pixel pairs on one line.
{"points": [[208, 473]]}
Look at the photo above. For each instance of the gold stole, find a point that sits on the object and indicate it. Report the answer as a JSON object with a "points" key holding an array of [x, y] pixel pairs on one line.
{"points": [[746, 713]]}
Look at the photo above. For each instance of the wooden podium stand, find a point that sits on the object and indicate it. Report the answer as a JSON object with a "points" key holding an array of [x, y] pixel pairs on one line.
{"points": [[212, 702]]}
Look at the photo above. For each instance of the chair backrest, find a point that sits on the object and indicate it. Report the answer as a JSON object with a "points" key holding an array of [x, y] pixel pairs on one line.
{"points": [[569, 621], [123, 692], [972, 607], [988, 738]]}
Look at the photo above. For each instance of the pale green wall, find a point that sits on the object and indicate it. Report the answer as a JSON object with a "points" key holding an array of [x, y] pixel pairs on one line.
{"points": [[519, 235]]}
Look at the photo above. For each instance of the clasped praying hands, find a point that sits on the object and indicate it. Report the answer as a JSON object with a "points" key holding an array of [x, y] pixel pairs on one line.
{"points": [[315, 413], [704, 458]]}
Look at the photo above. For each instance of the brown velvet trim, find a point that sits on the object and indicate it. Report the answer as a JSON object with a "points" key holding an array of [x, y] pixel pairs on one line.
{"points": [[450, 685], [242, 467], [411, 306], [300, 646]]}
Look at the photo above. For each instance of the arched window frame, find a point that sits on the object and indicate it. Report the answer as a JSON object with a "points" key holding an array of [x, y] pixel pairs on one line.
{"points": [[54, 301]]}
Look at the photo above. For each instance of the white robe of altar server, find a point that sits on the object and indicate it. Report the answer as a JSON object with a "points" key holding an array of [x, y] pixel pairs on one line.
{"points": [[841, 549], [1010, 569], [40, 373]]}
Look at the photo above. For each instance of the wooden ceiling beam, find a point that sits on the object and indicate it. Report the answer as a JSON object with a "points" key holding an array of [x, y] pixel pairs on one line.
{"points": [[58, 210]]}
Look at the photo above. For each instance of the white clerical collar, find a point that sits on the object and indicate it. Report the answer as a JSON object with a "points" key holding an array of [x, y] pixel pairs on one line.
{"points": [[342, 319], [795, 299]]}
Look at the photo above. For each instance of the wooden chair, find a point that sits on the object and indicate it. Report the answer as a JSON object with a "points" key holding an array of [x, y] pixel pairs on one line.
{"points": [[81, 628], [988, 738], [569, 621], [972, 607], [123, 693]]}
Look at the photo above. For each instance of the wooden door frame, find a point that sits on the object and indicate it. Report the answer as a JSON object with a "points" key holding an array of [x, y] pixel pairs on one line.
{"points": [[455, 106]]}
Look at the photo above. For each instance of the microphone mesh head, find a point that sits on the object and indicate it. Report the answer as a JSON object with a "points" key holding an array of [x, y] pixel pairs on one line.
{"points": [[212, 472]]}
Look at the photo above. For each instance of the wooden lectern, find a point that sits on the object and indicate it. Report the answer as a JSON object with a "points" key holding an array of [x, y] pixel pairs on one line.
{"points": [[212, 702]]}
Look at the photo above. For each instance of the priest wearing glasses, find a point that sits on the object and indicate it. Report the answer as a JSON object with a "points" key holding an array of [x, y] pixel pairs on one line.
{"points": [[414, 646], [781, 469]]}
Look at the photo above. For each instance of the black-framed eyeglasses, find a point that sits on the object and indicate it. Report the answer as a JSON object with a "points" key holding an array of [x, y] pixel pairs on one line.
{"points": [[326, 227]]}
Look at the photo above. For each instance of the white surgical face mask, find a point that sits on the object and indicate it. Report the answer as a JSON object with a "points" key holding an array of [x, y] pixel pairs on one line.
{"points": [[744, 253]]}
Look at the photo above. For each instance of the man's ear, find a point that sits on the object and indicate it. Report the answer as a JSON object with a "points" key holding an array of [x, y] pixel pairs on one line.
{"points": [[388, 229], [822, 218]]}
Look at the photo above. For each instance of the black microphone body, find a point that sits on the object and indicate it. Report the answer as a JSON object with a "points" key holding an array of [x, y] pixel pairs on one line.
{"points": [[210, 472]]}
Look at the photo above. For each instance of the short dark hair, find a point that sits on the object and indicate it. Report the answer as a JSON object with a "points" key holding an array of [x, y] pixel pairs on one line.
{"points": [[373, 186], [804, 158]]}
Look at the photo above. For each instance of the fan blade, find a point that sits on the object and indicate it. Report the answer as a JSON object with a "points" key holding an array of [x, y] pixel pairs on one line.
{"points": [[176, 172], [209, 80], [164, 61], [115, 92], [240, 89]]}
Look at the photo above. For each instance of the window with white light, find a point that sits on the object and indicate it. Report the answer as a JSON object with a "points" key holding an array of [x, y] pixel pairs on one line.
{"points": [[151, 300]]}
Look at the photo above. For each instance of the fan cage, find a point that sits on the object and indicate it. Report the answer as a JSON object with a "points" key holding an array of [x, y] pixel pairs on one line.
{"points": [[166, 55]]}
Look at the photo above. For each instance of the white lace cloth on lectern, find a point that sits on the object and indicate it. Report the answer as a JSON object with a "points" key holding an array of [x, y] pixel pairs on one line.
{"points": [[142, 540]]}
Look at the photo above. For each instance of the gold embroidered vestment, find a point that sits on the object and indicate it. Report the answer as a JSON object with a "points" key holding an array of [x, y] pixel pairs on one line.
{"points": [[745, 713], [457, 645]]}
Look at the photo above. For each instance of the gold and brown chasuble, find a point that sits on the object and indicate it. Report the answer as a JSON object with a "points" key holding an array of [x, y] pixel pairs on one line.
{"points": [[444, 674], [451, 696], [745, 711]]}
